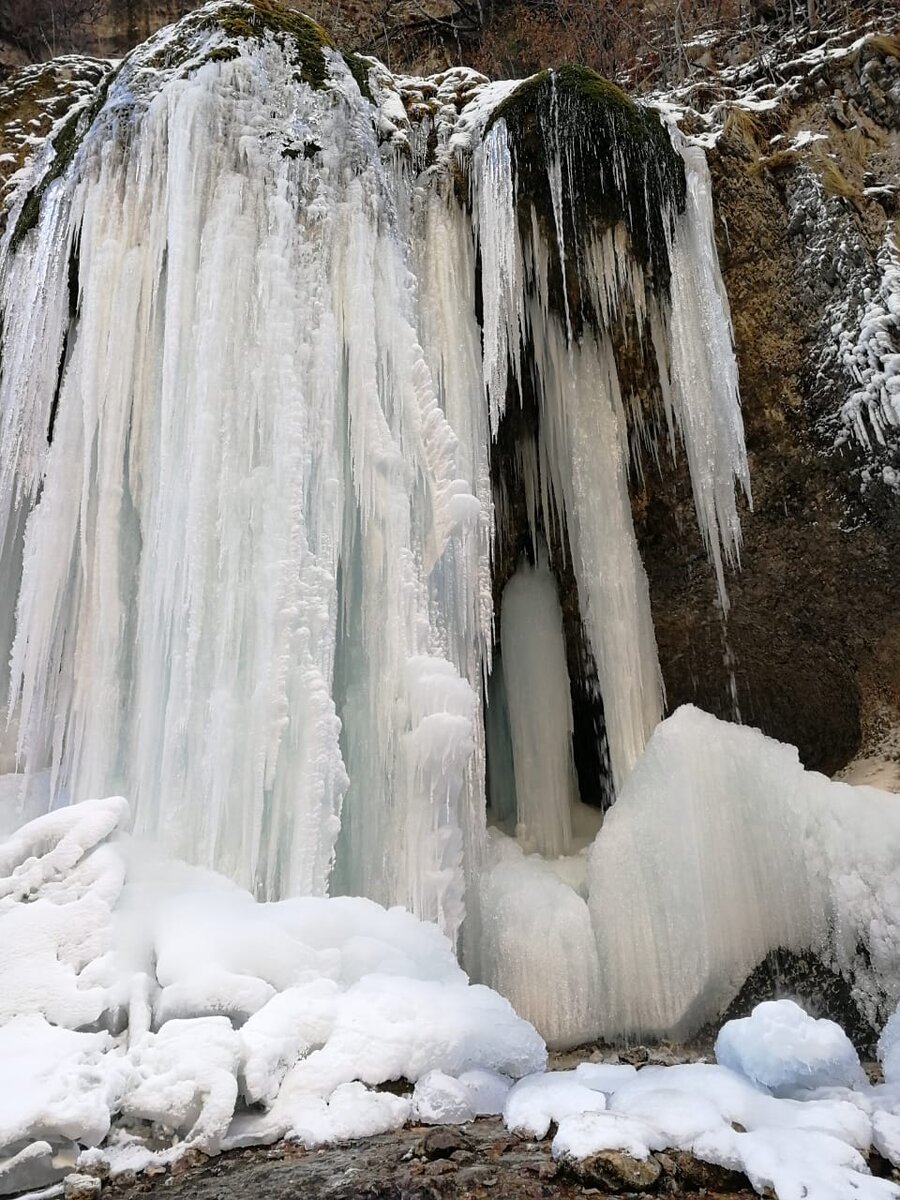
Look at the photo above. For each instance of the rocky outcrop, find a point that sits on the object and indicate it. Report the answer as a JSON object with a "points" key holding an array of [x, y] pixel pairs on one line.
{"points": [[805, 175]]}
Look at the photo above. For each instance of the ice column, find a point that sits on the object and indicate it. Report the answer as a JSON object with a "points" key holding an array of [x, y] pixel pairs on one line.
{"points": [[540, 709]]}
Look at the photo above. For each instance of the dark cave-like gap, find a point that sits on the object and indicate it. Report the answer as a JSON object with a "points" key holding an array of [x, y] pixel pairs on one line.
{"points": [[519, 521]]}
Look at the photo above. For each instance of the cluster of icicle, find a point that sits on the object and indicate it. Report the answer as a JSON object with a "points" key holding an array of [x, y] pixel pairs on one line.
{"points": [[247, 583], [869, 349]]}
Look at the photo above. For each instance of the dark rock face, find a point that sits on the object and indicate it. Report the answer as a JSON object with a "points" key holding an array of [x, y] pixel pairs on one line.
{"points": [[618, 1171], [819, 990], [811, 635]]}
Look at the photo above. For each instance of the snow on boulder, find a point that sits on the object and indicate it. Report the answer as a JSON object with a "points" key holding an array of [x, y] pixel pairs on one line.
{"points": [[783, 1048], [581, 1135], [439, 1099]]}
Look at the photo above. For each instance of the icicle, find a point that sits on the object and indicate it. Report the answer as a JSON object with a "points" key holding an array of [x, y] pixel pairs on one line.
{"points": [[502, 285], [704, 372]]}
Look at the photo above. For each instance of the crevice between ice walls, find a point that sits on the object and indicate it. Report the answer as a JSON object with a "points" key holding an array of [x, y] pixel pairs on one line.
{"points": [[595, 233], [604, 311]]}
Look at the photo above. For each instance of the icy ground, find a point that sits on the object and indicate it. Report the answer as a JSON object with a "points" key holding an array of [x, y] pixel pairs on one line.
{"points": [[149, 1008]]}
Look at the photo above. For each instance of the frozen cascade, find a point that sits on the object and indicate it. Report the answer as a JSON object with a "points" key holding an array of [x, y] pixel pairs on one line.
{"points": [[247, 580], [230, 419]]}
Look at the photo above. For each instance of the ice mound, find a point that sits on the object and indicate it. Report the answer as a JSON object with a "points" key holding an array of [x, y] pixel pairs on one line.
{"points": [[720, 849], [441, 1099], [782, 1048], [145, 1001], [540, 1100], [728, 849]]}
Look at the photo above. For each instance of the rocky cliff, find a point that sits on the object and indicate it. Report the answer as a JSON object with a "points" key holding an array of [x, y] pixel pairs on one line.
{"points": [[805, 157]]}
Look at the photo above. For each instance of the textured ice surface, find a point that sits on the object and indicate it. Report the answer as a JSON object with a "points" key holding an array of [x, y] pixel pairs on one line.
{"points": [[720, 849], [534, 665], [535, 927], [889, 1048], [869, 351], [727, 850], [783, 1048]]}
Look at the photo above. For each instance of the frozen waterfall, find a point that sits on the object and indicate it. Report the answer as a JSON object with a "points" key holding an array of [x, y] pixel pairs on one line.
{"points": [[261, 328]]}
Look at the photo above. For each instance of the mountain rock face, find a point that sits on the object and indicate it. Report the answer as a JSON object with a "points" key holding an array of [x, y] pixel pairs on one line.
{"points": [[805, 174]]}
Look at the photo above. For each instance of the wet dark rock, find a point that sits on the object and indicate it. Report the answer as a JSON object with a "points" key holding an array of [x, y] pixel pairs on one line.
{"points": [[444, 1141], [616, 1170], [694, 1174]]}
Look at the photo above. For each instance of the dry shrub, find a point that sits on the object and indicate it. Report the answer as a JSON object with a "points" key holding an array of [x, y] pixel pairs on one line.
{"points": [[834, 181], [779, 160], [744, 127]]}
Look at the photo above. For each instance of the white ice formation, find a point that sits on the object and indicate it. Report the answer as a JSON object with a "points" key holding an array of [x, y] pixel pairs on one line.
{"points": [[719, 849], [534, 665], [258, 336], [214, 1020], [868, 349], [247, 578]]}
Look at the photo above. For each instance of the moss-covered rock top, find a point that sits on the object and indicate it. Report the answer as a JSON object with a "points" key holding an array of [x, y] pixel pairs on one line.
{"points": [[49, 101], [242, 21], [619, 164], [246, 20]]}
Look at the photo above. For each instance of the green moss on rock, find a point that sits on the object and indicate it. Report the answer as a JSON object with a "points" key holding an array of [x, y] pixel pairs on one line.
{"points": [[359, 69], [249, 20], [253, 19], [618, 162], [65, 145]]}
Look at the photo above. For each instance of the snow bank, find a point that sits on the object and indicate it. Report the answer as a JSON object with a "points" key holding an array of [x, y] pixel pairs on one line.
{"points": [[138, 993], [813, 1148]]}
